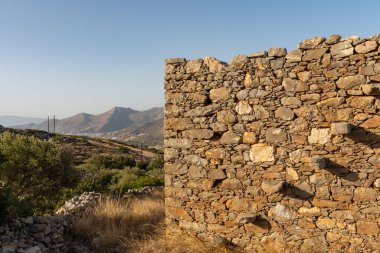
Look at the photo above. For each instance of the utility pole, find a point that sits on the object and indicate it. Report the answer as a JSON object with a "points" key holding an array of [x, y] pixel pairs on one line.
{"points": [[48, 130], [141, 152], [54, 124]]}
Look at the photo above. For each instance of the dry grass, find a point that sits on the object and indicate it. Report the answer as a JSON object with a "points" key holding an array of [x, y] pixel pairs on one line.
{"points": [[136, 226]]}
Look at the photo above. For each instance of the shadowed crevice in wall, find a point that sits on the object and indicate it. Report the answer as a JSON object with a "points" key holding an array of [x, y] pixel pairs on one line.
{"points": [[341, 171], [296, 192], [262, 223], [361, 135]]}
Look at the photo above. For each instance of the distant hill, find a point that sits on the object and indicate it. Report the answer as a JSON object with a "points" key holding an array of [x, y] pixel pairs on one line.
{"points": [[150, 133], [113, 120], [7, 120]]}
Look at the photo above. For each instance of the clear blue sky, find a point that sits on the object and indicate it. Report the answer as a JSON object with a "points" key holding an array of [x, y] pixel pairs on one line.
{"points": [[68, 56]]}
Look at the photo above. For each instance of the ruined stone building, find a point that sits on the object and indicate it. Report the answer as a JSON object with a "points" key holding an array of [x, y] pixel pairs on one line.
{"points": [[277, 151]]}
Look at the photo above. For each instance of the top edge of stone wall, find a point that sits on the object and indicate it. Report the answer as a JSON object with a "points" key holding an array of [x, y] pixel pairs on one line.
{"points": [[338, 47]]}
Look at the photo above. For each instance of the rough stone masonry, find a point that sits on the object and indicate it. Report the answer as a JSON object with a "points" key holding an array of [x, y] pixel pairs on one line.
{"points": [[277, 151]]}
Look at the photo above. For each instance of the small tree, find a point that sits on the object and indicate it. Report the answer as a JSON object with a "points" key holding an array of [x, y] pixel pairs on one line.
{"points": [[35, 169]]}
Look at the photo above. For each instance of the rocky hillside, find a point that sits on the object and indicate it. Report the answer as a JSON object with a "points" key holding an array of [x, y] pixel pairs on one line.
{"points": [[151, 133], [113, 120]]}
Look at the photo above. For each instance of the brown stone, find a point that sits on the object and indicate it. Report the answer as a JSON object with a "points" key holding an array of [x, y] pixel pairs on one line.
{"points": [[291, 101], [372, 122], [216, 174], [231, 184], [226, 117], [238, 61], [294, 56], [257, 228], [366, 47], [362, 194], [333, 39], [310, 212], [349, 82], [215, 153], [243, 107], [291, 174], [326, 223], [311, 98], [315, 54], [178, 123], [294, 85], [271, 187], [367, 227], [371, 89], [230, 138], [201, 134], [194, 66], [314, 245], [274, 135], [311, 43], [178, 213], [331, 102], [242, 204], [220, 94], [260, 112], [342, 49], [261, 153], [361, 102], [249, 138], [367, 70], [284, 113], [319, 136], [214, 65], [277, 52]]}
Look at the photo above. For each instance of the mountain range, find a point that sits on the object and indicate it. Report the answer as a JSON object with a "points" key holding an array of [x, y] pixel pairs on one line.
{"points": [[124, 124], [16, 120]]}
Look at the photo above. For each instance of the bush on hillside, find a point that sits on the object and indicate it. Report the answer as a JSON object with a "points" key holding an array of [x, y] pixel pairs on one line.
{"points": [[111, 161], [12, 207], [35, 169]]}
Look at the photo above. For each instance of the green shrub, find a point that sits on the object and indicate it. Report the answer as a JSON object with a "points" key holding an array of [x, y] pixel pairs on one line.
{"points": [[12, 207], [34, 168], [111, 161]]}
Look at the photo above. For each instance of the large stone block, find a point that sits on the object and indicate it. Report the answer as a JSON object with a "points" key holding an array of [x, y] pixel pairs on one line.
{"points": [[362, 102], [349, 82], [262, 153], [178, 123], [363, 194], [271, 187], [243, 107], [342, 49], [220, 94], [319, 136], [284, 113], [315, 54], [230, 138], [201, 134], [373, 122], [274, 135], [366, 47], [214, 65], [371, 89], [226, 117], [340, 128], [367, 227], [311, 43]]}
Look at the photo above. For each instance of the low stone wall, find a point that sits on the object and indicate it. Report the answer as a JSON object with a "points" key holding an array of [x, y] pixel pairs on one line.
{"points": [[48, 234], [34, 235], [277, 151]]}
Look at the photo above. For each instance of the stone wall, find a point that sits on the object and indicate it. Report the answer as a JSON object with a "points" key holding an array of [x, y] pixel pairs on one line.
{"points": [[277, 151]]}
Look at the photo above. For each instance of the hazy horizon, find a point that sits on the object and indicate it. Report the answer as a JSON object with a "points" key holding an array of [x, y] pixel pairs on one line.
{"points": [[67, 57]]}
